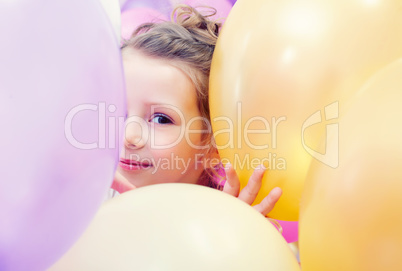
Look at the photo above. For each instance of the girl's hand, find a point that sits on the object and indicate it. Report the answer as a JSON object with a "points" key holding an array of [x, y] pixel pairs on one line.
{"points": [[121, 184], [249, 193]]}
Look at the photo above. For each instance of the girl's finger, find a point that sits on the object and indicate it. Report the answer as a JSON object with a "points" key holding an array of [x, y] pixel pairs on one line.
{"points": [[250, 192], [232, 184], [268, 203]]}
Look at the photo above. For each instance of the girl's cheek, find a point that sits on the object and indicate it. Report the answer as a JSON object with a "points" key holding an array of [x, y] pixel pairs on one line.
{"points": [[166, 138], [195, 132]]}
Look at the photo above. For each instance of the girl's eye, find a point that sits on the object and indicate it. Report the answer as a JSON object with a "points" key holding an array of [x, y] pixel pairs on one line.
{"points": [[161, 119]]}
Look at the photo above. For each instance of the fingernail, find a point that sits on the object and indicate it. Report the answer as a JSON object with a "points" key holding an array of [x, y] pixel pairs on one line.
{"points": [[278, 190], [227, 166], [262, 167]]}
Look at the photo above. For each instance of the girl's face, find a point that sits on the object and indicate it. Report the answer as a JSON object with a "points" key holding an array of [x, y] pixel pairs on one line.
{"points": [[164, 127]]}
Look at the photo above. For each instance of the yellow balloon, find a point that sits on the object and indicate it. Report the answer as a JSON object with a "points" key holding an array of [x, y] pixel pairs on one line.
{"points": [[179, 227], [351, 216], [277, 64]]}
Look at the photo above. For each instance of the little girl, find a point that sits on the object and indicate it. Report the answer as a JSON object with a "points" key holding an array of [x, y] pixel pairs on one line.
{"points": [[168, 137]]}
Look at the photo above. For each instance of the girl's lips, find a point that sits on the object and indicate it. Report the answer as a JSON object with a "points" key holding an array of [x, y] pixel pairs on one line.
{"points": [[133, 165]]}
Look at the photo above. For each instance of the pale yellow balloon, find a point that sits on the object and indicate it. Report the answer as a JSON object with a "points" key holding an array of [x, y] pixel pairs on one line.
{"points": [[112, 9], [277, 63], [178, 227], [351, 216]]}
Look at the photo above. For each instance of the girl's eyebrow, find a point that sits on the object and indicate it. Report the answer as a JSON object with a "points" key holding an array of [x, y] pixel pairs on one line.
{"points": [[157, 104], [162, 105]]}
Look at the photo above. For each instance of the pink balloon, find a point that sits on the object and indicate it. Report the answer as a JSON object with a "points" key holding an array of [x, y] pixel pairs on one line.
{"points": [[132, 18], [61, 92], [290, 230]]}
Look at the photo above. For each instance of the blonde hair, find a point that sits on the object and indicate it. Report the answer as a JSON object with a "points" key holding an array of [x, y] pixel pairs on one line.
{"points": [[189, 41]]}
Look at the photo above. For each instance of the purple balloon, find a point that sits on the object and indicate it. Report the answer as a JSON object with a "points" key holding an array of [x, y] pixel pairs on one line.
{"points": [[61, 96], [163, 6]]}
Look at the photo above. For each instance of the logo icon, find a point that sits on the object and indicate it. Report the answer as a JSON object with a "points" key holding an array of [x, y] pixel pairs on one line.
{"points": [[331, 155]]}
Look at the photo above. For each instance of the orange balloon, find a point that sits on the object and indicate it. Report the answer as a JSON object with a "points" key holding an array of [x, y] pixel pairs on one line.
{"points": [[178, 227], [277, 64], [351, 216]]}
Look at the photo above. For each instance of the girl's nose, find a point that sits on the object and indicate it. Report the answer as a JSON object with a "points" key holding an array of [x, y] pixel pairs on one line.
{"points": [[136, 133]]}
